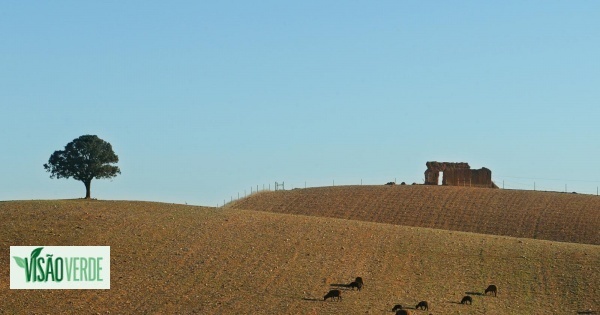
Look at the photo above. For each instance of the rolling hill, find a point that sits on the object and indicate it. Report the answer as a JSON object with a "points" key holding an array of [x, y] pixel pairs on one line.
{"points": [[551, 216], [176, 259]]}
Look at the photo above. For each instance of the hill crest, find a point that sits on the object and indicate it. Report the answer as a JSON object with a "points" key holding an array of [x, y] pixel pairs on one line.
{"points": [[550, 216]]}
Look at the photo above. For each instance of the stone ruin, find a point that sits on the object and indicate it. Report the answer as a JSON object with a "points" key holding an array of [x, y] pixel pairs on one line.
{"points": [[458, 174]]}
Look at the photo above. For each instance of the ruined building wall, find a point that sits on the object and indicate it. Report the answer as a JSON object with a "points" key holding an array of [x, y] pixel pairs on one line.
{"points": [[458, 174]]}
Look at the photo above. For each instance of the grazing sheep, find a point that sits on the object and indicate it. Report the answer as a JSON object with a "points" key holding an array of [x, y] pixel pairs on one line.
{"points": [[333, 294], [422, 305], [466, 299], [359, 280], [355, 284], [491, 288], [397, 307], [403, 312]]}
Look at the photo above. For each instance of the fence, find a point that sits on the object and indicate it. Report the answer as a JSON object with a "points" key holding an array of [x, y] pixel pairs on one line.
{"points": [[587, 187], [281, 186]]}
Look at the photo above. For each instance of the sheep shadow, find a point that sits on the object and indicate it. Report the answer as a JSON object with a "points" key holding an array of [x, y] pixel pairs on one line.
{"points": [[345, 286], [474, 293], [587, 312], [312, 299]]}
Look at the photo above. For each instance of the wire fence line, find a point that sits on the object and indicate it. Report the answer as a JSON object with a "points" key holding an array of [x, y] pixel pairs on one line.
{"points": [[275, 186], [503, 182], [587, 187]]}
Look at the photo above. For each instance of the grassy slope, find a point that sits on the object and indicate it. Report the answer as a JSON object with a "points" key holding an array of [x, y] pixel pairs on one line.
{"points": [[181, 259], [540, 215]]}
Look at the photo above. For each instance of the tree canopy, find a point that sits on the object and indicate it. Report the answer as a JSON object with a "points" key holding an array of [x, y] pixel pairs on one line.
{"points": [[84, 159]]}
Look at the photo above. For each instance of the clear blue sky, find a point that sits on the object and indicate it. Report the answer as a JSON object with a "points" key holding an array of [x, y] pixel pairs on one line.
{"points": [[204, 100]]}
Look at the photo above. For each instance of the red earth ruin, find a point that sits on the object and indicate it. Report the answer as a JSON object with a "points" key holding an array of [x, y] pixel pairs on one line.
{"points": [[457, 174]]}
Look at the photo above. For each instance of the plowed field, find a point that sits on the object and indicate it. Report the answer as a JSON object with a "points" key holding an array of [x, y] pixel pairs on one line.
{"points": [[539, 215], [175, 259]]}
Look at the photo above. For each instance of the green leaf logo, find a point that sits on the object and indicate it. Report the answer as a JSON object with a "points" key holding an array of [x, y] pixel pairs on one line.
{"points": [[35, 253], [20, 261]]}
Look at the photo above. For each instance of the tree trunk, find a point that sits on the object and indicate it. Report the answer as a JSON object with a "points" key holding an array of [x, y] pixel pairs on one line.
{"points": [[88, 185]]}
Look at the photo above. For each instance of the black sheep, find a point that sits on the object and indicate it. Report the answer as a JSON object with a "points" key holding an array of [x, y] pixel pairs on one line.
{"points": [[333, 294], [467, 299], [491, 288], [355, 284], [422, 305]]}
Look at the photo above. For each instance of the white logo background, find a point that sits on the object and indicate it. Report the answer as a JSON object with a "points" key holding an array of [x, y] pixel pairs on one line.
{"points": [[18, 279]]}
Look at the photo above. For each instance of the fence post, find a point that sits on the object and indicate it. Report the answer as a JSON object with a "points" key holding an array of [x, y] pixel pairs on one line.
{"points": [[279, 186]]}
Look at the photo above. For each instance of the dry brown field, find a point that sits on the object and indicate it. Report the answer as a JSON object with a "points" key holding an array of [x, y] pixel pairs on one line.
{"points": [[564, 217], [177, 259]]}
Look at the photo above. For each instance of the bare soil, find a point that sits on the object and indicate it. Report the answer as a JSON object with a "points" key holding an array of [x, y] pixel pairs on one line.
{"points": [[564, 217], [176, 259]]}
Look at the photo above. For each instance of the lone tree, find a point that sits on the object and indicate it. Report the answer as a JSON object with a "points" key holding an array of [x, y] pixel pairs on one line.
{"points": [[84, 159]]}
